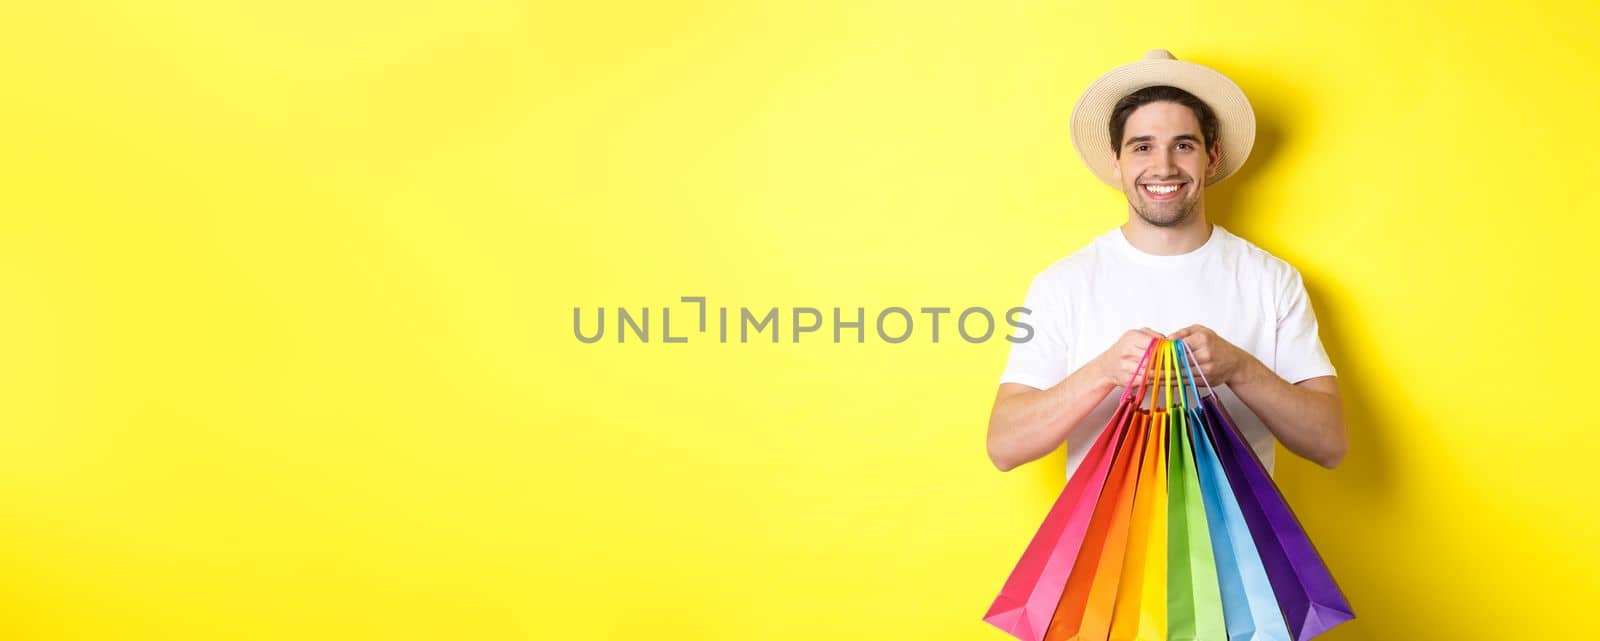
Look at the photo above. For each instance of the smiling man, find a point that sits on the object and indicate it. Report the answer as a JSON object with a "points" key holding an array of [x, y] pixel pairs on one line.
{"points": [[1161, 131]]}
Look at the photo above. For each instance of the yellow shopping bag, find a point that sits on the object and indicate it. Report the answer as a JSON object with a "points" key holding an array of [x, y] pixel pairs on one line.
{"points": [[1140, 611]]}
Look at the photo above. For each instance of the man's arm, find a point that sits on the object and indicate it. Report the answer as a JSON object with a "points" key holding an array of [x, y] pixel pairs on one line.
{"points": [[1307, 417], [1028, 423]]}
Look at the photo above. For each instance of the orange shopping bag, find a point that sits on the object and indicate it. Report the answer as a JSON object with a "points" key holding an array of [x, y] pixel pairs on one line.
{"points": [[1140, 612], [1084, 612], [1029, 599]]}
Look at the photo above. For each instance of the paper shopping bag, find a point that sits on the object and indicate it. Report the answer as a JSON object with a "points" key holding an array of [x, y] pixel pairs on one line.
{"points": [[1140, 610], [1307, 595], [1194, 598], [1029, 598], [1249, 608], [1084, 612], [1031, 594]]}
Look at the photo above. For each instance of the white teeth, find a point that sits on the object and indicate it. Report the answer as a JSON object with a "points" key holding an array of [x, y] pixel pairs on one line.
{"points": [[1162, 189]]}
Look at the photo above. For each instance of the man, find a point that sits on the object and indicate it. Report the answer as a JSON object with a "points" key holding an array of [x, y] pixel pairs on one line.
{"points": [[1162, 130]]}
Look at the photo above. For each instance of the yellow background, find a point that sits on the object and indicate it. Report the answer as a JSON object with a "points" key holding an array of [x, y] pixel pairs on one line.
{"points": [[286, 295]]}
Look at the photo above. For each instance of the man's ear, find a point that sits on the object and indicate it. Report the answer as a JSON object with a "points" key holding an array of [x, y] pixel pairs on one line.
{"points": [[1214, 159], [1116, 168]]}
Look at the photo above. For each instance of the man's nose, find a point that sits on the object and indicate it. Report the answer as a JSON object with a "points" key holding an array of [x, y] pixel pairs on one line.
{"points": [[1164, 165]]}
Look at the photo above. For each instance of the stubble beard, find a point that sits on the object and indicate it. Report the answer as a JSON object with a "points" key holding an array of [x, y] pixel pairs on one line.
{"points": [[1166, 214]]}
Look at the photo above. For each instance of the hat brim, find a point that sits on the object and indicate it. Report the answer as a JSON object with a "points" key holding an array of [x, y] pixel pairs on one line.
{"points": [[1091, 117]]}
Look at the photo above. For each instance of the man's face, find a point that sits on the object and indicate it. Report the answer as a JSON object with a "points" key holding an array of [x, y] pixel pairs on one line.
{"points": [[1162, 166]]}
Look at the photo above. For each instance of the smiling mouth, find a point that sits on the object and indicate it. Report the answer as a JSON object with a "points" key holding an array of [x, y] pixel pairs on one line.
{"points": [[1161, 191]]}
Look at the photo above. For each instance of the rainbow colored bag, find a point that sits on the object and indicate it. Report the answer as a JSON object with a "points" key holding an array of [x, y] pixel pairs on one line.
{"points": [[1169, 529]]}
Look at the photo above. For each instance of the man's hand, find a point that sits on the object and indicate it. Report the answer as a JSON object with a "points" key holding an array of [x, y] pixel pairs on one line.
{"points": [[1027, 423], [1306, 416], [1118, 364], [1220, 361]]}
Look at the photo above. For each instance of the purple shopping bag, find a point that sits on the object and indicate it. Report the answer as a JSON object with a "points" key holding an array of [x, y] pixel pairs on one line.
{"points": [[1307, 595]]}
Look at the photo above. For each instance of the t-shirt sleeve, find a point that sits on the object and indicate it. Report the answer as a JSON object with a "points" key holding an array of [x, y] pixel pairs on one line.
{"points": [[1299, 352], [1039, 360]]}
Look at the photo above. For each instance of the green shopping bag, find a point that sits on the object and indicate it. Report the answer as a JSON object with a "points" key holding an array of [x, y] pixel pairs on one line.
{"points": [[1194, 596]]}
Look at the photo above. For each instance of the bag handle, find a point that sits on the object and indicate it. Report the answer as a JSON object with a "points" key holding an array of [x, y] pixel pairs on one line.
{"points": [[1191, 359], [1126, 391], [1161, 376], [1186, 377], [1175, 380], [1157, 379]]}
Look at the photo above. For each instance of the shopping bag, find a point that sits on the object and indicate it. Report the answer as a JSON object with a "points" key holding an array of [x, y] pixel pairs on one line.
{"points": [[1084, 611], [1194, 599], [1306, 592], [1030, 596], [1249, 608], [1140, 611]]}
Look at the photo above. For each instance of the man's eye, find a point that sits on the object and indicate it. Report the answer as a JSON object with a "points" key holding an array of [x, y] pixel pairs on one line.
{"points": [[1141, 147], [1183, 145]]}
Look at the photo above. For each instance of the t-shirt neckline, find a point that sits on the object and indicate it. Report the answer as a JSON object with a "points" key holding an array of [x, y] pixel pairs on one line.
{"points": [[1120, 242]]}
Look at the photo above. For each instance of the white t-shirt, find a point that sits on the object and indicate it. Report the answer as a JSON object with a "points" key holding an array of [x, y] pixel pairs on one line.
{"points": [[1081, 304]]}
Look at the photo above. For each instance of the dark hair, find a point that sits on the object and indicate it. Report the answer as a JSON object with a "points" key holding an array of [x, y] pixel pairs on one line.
{"points": [[1162, 93]]}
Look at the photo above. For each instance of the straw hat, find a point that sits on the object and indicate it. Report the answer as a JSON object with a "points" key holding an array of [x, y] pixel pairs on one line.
{"points": [[1091, 118]]}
